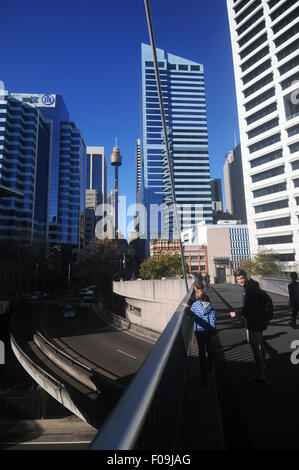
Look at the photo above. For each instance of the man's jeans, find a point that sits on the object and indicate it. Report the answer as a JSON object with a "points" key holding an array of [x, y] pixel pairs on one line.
{"points": [[255, 339]]}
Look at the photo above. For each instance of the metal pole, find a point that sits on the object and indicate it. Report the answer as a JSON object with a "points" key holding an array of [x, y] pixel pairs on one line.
{"points": [[152, 39]]}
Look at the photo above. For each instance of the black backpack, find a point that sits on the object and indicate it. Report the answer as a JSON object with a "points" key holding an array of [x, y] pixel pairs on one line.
{"points": [[267, 306]]}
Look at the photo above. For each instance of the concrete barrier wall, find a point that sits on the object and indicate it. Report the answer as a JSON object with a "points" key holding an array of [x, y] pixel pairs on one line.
{"points": [[275, 285], [52, 386], [125, 324], [151, 303]]}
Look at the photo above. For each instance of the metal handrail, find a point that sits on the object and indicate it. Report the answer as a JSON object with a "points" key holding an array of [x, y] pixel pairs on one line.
{"points": [[125, 428]]}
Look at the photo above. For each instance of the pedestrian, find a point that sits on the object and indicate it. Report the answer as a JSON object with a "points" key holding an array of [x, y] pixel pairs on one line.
{"points": [[252, 311], [198, 285], [204, 316], [207, 280], [294, 297]]}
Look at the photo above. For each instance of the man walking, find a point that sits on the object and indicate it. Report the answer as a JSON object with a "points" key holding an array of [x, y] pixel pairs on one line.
{"points": [[294, 297], [252, 311]]}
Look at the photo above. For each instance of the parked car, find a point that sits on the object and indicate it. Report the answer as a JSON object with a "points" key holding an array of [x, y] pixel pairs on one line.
{"points": [[68, 311]]}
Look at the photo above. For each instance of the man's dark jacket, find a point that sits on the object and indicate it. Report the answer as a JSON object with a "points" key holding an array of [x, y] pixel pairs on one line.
{"points": [[294, 294], [253, 308]]}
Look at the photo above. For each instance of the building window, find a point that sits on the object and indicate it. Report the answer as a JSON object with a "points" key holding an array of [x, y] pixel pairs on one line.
{"points": [[260, 99], [279, 170], [280, 10], [263, 128], [257, 71], [247, 11], [264, 143], [289, 65], [288, 50], [258, 85], [250, 22], [286, 21], [273, 223], [287, 35], [254, 45], [253, 33], [269, 190], [286, 257], [275, 240], [260, 114], [271, 206], [255, 58], [269, 157], [294, 147]]}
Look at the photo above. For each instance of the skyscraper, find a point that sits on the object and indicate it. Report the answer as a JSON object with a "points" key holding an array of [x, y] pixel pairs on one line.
{"points": [[183, 92], [96, 176], [43, 155], [24, 155], [234, 185], [264, 36], [138, 172], [216, 193]]}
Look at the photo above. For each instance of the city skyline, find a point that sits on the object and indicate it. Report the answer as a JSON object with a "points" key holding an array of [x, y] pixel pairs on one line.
{"points": [[97, 103]]}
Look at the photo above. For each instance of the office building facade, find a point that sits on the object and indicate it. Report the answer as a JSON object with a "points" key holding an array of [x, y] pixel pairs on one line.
{"points": [[234, 185], [264, 36], [216, 194], [96, 176], [227, 245], [25, 155], [183, 93], [96, 188], [43, 155]]}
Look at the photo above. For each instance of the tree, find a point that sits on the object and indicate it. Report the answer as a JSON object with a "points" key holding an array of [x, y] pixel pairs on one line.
{"points": [[164, 266], [105, 261], [265, 263]]}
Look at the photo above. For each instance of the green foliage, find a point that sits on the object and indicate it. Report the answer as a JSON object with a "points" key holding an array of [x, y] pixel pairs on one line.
{"points": [[265, 263], [164, 266]]}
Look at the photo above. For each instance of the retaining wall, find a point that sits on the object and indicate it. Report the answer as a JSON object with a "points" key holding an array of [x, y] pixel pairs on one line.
{"points": [[151, 303]]}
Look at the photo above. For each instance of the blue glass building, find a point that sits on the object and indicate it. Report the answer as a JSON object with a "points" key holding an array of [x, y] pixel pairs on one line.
{"points": [[183, 93], [42, 154], [24, 165]]}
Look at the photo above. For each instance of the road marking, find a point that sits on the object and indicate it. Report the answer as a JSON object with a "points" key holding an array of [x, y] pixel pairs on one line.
{"points": [[118, 350]]}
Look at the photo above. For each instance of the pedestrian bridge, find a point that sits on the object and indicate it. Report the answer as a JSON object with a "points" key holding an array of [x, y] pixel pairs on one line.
{"points": [[162, 404]]}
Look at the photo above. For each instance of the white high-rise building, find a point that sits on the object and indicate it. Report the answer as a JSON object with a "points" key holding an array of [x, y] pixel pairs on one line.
{"points": [[265, 39]]}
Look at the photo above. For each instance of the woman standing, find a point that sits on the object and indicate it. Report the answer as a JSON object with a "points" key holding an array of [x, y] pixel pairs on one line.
{"points": [[204, 316]]}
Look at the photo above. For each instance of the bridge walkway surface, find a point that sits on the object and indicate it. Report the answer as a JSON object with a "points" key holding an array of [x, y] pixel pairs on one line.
{"points": [[229, 412]]}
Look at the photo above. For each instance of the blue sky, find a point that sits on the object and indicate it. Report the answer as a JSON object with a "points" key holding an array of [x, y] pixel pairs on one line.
{"points": [[90, 52]]}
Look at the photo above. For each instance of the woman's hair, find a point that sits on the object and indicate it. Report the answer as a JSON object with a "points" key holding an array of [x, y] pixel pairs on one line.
{"points": [[294, 276], [199, 285], [200, 293]]}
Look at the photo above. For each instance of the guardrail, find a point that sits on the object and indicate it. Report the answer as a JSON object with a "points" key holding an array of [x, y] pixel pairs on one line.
{"points": [[275, 285], [148, 416]]}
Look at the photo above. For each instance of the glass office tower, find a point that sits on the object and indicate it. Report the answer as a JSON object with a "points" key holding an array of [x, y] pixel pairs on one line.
{"points": [[183, 92], [42, 155], [24, 166]]}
